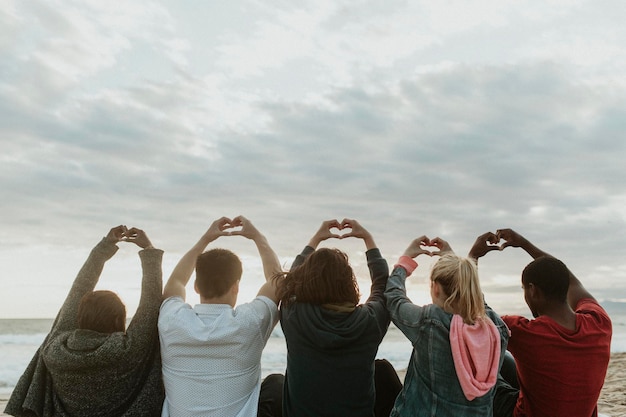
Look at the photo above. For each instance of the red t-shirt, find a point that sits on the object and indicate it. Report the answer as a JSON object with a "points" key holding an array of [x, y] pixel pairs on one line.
{"points": [[561, 371]]}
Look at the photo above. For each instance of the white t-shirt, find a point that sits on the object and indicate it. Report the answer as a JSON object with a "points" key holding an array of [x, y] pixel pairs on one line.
{"points": [[211, 356]]}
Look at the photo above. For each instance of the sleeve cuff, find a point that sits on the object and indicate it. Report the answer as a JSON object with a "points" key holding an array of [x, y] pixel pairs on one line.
{"points": [[407, 263]]}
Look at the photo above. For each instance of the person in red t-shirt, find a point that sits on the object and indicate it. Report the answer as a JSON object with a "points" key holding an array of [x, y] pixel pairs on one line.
{"points": [[563, 354]]}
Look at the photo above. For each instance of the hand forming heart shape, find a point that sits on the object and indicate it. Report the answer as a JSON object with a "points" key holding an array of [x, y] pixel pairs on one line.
{"points": [[422, 245]]}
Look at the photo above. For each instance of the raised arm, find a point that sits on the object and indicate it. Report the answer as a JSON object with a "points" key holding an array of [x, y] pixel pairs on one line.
{"points": [[271, 264], [576, 291], [145, 318], [379, 270], [320, 235], [404, 314], [175, 286], [87, 278], [359, 232], [484, 244]]}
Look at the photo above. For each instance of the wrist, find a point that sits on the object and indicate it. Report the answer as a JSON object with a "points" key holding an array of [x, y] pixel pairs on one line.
{"points": [[407, 263], [369, 242], [314, 243]]}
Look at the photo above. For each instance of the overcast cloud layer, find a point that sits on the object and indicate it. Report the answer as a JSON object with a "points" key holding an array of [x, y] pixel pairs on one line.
{"points": [[415, 118]]}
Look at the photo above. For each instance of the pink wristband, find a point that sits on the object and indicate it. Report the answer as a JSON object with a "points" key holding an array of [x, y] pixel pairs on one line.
{"points": [[407, 263]]}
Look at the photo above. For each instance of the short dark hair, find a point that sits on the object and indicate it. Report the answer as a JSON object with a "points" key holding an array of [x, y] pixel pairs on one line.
{"points": [[102, 311], [550, 275], [217, 270], [325, 277]]}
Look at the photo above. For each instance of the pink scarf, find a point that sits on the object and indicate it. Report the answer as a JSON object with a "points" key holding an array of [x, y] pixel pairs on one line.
{"points": [[476, 354]]}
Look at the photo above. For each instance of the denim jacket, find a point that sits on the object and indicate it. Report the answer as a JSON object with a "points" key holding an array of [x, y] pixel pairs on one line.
{"points": [[431, 387]]}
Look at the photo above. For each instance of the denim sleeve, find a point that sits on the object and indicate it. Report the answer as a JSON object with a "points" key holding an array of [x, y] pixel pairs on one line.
{"points": [[405, 315]]}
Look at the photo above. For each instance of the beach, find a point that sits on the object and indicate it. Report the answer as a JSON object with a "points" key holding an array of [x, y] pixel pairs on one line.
{"points": [[612, 402]]}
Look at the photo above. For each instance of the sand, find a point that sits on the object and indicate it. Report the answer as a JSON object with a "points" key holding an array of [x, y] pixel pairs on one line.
{"points": [[612, 402]]}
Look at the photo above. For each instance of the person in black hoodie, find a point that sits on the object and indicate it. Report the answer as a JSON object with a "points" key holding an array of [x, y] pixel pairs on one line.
{"points": [[332, 340]]}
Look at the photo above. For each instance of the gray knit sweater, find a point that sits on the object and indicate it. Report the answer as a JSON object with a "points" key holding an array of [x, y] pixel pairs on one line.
{"points": [[85, 373]]}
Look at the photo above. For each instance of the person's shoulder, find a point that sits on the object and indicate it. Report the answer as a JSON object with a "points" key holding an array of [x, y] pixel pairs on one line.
{"points": [[259, 304], [515, 321], [171, 305], [591, 308], [175, 300], [588, 304]]}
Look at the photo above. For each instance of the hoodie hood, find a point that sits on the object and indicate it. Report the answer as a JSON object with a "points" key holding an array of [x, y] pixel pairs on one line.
{"points": [[476, 355], [331, 327]]}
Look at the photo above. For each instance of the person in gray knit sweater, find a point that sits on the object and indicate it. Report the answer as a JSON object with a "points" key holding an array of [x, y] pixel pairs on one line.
{"points": [[90, 364]]}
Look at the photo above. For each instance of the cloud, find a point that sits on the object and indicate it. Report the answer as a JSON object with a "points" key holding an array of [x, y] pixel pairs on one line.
{"points": [[414, 118]]}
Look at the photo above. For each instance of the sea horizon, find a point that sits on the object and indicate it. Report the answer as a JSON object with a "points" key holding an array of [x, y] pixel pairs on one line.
{"points": [[21, 337]]}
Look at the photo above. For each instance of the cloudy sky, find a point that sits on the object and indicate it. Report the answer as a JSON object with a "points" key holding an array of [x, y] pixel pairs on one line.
{"points": [[440, 118]]}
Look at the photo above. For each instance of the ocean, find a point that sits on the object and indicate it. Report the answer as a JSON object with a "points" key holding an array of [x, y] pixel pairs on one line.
{"points": [[20, 339]]}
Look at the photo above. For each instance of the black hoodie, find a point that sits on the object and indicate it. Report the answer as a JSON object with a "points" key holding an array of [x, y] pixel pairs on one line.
{"points": [[330, 354]]}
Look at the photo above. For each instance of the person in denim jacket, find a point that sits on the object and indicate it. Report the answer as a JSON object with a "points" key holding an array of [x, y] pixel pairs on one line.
{"points": [[458, 341]]}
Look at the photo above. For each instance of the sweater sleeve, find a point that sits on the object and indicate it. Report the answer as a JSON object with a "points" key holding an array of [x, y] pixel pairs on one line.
{"points": [[379, 273], [144, 322], [84, 283]]}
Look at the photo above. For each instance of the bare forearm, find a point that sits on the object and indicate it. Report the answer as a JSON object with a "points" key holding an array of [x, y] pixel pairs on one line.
{"points": [[533, 250], [369, 242], [181, 274], [271, 264]]}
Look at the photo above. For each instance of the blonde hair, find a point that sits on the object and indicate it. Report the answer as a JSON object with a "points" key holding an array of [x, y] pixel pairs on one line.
{"points": [[458, 278]]}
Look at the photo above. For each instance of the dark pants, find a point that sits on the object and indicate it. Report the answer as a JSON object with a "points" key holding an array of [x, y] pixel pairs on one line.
{"points": [[386, 380], [388, 386], [271, 396], [507, 389]]}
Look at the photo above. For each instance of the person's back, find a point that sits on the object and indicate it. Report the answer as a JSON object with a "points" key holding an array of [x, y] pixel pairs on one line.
{"points": [[561, 371], [212, 351], [211, 355], [431, 383], [330, 360], [100, 374]]}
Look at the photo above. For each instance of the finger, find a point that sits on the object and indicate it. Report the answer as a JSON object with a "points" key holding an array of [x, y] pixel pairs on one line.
{"points": [[504, 245], [503, 233], [492, 238], [438, 242], [331, 224], [224, 220], [348, 222], [420, 241], [239, 221]]}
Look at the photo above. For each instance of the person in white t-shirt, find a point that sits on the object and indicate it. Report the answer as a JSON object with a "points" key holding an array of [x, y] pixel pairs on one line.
{"points": [[211, 352]]}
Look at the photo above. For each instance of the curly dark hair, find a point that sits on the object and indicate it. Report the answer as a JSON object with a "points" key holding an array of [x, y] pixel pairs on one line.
{"points": [[325, 277]]}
